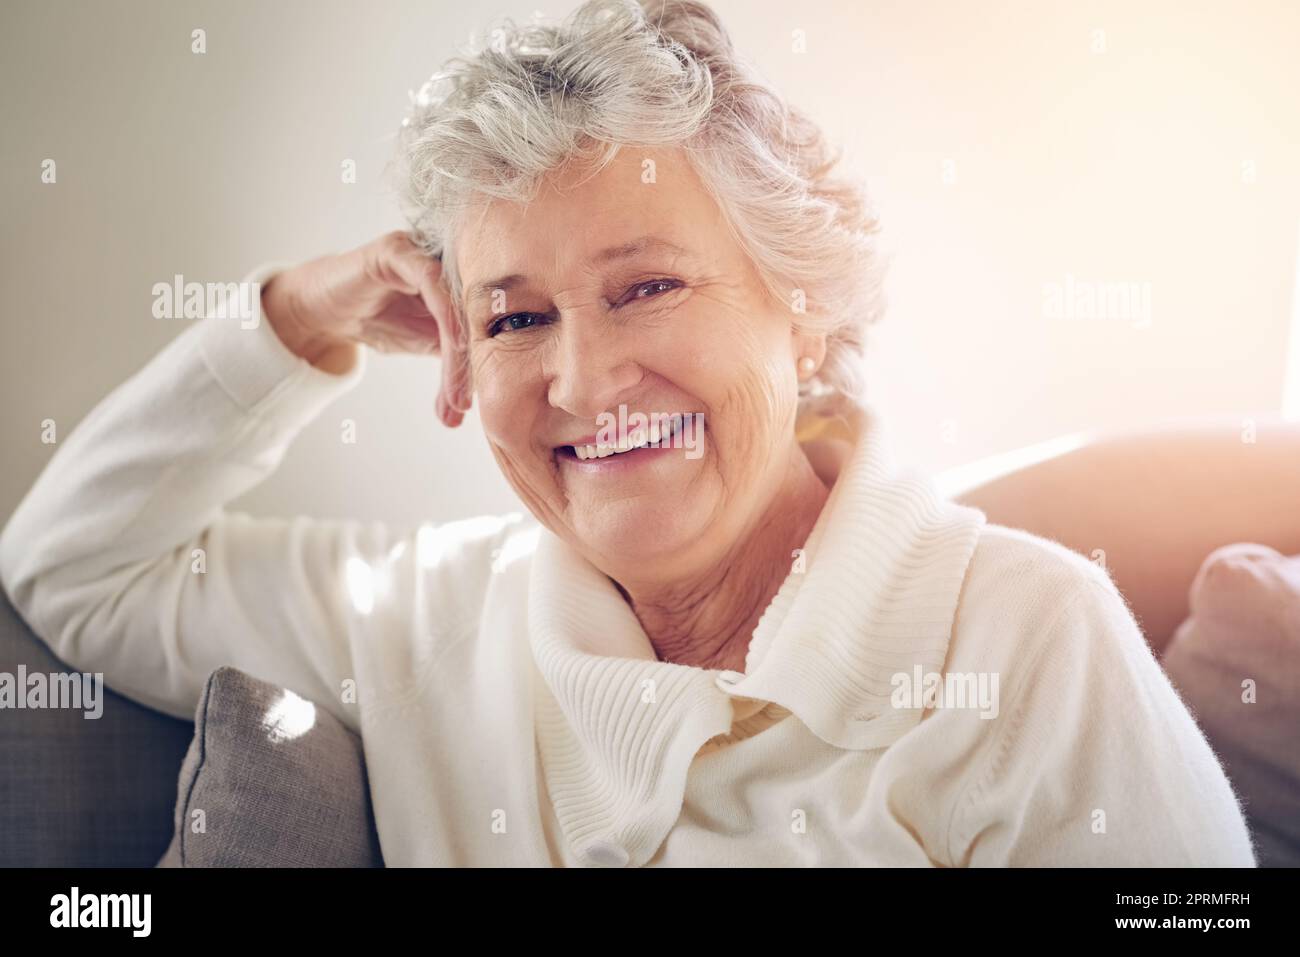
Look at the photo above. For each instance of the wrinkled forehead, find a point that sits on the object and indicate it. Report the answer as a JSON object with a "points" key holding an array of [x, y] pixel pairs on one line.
{"points": [[643, 202]]}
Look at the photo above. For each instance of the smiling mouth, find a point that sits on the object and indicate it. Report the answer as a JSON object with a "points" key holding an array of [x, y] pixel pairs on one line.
{"points": [[659, 434]]}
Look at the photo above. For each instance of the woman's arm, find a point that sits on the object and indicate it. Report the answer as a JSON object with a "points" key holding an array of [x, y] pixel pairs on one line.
{"points": [[122, 556], [1157, 504], [1092, 759]]}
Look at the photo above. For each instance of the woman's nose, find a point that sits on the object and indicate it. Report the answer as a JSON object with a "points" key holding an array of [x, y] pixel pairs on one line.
{"points": [[591, 370]]}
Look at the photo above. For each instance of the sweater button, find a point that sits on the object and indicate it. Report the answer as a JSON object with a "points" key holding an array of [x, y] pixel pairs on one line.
{"points": [[604, 854]]}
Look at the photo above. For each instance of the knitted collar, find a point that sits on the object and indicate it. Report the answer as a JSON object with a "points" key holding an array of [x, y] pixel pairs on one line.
{"points": [[876, 596]]}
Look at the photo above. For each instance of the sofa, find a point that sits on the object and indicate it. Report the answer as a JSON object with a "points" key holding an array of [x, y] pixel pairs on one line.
{"points": [[1213, 584]]}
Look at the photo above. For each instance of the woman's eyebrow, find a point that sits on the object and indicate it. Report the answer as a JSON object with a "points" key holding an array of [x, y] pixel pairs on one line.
{"points": [[635, 247]]}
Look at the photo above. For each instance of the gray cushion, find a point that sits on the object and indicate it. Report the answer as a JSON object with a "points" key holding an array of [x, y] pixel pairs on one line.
{"points": [[270, 780], [78, 792], [1244, 634]]}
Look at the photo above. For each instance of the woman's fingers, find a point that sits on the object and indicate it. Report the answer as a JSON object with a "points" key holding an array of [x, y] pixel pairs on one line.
{"points": [[455, 349], [386, 295], [414, 273], [450, 417], [422, 275], [451, 335]]}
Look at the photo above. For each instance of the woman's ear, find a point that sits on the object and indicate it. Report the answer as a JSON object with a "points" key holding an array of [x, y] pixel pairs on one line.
{"points": [[809, 352]]}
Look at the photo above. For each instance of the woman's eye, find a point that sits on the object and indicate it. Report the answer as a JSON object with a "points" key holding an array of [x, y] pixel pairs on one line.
{"points": [[523, 320], [658, 286], [512, 323]]}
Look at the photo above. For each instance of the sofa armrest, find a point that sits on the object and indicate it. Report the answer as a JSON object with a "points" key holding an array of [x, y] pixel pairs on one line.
{"points": [[81, 791], [1154, 503]]}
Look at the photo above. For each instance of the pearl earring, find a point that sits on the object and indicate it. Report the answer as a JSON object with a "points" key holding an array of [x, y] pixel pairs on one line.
{"points": [[806, 366]]}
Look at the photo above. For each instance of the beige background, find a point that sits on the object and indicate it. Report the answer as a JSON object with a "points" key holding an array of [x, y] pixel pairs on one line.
{"points": [[1010, 145]]}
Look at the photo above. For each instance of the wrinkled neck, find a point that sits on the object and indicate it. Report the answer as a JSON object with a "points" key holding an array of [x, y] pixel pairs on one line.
{"points": [[707, 620]]}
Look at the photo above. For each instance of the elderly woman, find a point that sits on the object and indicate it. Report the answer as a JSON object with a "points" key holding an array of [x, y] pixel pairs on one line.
{"points": [[729, 632]]}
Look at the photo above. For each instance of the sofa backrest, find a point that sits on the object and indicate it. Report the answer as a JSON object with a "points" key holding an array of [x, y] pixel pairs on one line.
{"points": [[69, 798]]}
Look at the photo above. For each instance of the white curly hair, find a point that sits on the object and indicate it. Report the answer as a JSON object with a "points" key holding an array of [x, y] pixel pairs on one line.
{"points": [[657, 73]]}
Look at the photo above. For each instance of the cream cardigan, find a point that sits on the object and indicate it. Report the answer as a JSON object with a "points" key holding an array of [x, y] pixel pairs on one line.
{"points": [[513, 711]]}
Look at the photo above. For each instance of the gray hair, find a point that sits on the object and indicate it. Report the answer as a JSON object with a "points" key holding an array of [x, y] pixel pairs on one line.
{"points": [[493, 123]]}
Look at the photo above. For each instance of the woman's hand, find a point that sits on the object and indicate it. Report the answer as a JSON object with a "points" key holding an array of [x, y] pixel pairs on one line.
{"points": [[385, 295]]}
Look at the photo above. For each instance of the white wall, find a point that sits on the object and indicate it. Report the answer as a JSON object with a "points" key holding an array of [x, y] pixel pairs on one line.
{"points": [[1170, 159]]}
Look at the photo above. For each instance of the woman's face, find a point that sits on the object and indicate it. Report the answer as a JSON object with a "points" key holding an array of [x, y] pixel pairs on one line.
{"points": [[627, 289]]}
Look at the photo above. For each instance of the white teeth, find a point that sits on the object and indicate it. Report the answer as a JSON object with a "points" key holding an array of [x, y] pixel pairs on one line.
{"points": [[650, 436]]}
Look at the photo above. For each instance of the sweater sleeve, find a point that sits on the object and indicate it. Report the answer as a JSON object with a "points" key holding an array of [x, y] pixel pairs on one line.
{"points": [[124, 560], [1097, 761]]}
